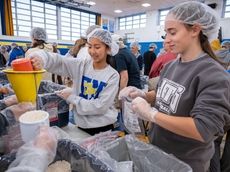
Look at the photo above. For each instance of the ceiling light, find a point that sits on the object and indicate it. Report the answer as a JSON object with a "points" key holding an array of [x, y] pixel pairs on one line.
{"points": [[146, 5], [91, 3], [117, 11]]}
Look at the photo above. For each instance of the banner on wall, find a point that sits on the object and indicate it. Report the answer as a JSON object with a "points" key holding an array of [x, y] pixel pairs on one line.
{"points": [[105, 23], [111, 26], [108, 24]]}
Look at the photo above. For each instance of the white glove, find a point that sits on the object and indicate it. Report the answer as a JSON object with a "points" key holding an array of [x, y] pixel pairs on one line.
{"points": [[47, 141], [20, 108], [37, 59], [37, 154], [65, 93], [131, 92], [143, 109], [10, 100]]}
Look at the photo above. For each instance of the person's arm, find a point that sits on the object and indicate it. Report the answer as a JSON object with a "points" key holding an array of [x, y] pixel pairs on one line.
{"points": [[124, 77], [184, 126], [37, 155], [55, 63], [150, 96]]}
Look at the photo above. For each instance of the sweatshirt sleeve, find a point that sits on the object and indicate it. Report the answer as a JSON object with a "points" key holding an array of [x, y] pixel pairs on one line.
{"points": [[58, 64], [211, 111], [101, 104]]}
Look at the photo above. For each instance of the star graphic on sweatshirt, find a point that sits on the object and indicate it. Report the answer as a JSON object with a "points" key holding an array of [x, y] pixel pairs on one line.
{"points": [[89, 90]]}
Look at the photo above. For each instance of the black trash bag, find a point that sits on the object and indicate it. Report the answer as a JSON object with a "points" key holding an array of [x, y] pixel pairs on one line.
{"points": [[6, 160], [80, 159], [57, 107]]}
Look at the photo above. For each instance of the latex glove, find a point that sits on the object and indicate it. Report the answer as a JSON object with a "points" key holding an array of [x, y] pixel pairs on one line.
{"points": [[143, 109], [36, 155], [21, 108], [47, 141], [65, 93], [37, 59], [131, 92], [10, 100]]}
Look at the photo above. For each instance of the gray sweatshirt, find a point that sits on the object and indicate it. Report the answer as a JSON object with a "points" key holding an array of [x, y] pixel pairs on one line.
{"points": [[94, 91], [199, 89]]}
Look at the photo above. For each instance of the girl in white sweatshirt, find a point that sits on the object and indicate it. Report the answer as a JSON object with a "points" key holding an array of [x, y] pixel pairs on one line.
{"points": [[95, 82]]}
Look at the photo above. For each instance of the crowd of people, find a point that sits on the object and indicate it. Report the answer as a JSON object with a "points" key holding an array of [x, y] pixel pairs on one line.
{"points": [[189, 107]]}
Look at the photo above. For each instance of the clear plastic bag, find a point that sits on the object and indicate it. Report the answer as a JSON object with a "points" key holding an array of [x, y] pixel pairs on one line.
{"points": [[57, 107], [132, 124]]}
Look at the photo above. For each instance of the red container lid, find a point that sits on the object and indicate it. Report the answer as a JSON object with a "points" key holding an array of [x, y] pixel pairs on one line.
{"points": [[23, 64]]}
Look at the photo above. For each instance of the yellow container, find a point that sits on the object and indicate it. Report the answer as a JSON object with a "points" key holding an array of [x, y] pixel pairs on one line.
{"points": [[25, 83]]}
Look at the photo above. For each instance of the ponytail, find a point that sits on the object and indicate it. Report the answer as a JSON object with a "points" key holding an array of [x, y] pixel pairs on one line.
{"points": [[39, 43], [205, 45]]}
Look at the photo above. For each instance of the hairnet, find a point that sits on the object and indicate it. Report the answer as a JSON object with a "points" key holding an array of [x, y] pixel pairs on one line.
{"points": [[118, 40], [105, 37], [225, 44], [89, 30], [193, 12], [135, 44], [153, 45], [38, 34]]}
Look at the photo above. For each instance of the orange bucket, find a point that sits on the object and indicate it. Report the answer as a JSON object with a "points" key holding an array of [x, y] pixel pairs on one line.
{"points": [[23, 64]]}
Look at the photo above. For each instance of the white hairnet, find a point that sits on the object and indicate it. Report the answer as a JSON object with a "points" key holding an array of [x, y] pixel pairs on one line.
{"points": [[118, 40], [153, 45], [89, 30], [135, 44], [105, 37], [38, 33], [193, 12]]}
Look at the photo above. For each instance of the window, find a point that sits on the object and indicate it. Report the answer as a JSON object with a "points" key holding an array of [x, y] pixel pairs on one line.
{"points": [[74, 23], [132, 22], [227, 9], [30, 13], [162, 15]]}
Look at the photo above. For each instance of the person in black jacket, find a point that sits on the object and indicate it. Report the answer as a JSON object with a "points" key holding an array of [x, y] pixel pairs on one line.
{"points": [[149, 58]]}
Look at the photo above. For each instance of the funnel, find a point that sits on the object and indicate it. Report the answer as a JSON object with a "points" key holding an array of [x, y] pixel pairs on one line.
{"points": [[25, 83]]}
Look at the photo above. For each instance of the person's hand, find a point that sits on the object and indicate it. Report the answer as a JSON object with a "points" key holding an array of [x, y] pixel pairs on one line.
{"points": [[46, 139], [143, 109], [21, 108], [65, 93], [10, 100], [36, 59], [81, 42], [37, 63], [131, 92]]}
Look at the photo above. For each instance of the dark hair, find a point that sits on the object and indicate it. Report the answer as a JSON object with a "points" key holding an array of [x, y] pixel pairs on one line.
{"points": [[205, 45], [110, 59], [38, 43]]}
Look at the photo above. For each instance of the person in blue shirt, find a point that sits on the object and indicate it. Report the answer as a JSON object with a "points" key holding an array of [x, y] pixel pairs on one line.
{"points": [[15, 53]]}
